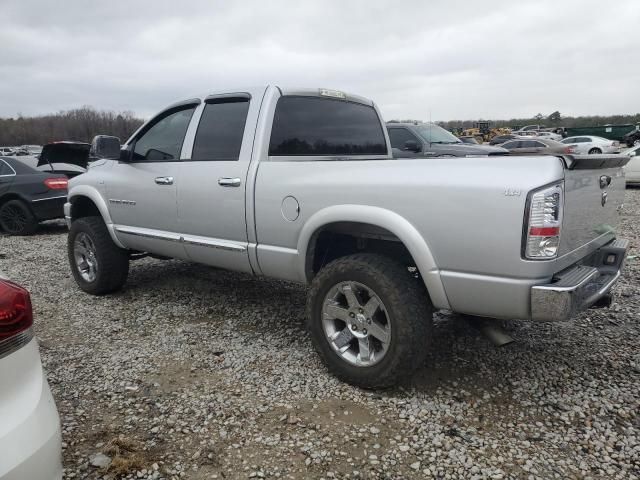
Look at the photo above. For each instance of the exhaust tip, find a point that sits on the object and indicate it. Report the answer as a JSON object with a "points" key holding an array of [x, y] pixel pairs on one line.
{"points": [[603, 302]]}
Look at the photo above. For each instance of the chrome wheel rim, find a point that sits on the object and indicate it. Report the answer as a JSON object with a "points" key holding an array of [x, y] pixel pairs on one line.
{"points": [[356, 324], [84, 253]]}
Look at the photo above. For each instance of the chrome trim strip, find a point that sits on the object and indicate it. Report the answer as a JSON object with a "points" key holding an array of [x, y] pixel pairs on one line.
{"points": [[187, 239], [213, 243], [49, 198], [10, 345], [149, 233]]}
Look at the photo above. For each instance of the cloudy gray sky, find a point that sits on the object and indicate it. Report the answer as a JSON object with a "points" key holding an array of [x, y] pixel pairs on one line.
{"points": [[417, 59]]}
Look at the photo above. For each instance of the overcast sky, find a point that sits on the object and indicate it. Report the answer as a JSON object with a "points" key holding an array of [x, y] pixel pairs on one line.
{"points": [[416, 59]]}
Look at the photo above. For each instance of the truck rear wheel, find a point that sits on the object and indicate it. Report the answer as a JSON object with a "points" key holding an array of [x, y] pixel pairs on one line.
{"points": [[370, 320], [98, 265]]}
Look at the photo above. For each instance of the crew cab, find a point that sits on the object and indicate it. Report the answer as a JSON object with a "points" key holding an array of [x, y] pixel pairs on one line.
{"points": [[301, 185]]}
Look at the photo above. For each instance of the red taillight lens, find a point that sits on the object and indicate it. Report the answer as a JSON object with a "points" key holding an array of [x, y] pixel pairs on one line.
{"points": [[569, 150], [56, 183], [544, 221], [16, 314]]}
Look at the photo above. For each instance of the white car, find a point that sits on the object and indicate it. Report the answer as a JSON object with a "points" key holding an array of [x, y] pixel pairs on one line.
{"points": [[632, 169], [30, 440], [550, 136], [591, 144], [6, 151]]}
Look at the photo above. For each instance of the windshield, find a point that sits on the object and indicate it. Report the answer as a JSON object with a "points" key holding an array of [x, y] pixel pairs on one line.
{"points": [[434, 134]]}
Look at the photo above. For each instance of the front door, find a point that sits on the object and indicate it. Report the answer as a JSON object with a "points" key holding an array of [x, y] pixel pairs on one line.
{"points": [[142, 191], [213, 187]]}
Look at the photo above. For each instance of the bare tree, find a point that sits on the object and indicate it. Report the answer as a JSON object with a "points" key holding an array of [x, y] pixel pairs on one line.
{"points": [[80, 124]]}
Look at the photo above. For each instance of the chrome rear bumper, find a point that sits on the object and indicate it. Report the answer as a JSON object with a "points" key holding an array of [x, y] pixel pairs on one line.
{"points": [[579, 286]]}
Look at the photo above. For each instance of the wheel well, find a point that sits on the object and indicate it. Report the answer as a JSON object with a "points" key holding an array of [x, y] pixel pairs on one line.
{"points": [[83, 207], [340, 239], [10, 196], [14, 196]]}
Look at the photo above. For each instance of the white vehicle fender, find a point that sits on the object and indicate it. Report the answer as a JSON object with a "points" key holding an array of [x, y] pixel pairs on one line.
{"points": [[383, 218], [94, 195]]}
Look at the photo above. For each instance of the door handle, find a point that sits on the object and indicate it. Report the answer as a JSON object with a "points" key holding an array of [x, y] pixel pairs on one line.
{"points": [[164, 180], [229, 182]]}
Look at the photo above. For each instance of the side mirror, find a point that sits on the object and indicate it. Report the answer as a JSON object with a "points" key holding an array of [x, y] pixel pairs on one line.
{"points": [[412, 146], [105, 147]]}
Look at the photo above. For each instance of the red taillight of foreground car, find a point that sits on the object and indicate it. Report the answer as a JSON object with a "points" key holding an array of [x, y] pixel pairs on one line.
{"points": [[570, 150], [56, 183], [16, 314]]}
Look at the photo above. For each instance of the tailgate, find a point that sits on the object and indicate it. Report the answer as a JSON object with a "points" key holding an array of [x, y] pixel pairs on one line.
{"points": [[594, 192]]}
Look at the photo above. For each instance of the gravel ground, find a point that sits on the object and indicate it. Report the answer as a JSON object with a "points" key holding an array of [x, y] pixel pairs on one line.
{"points": [[198, 373]]}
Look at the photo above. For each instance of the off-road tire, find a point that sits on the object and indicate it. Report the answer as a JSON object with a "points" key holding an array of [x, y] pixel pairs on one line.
{"points": [[113, 261], [407, 302], [30, 224], [594, 151]]}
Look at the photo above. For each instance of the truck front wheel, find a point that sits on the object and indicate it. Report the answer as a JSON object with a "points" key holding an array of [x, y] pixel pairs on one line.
{"points": [[98, 265], [370, 320]]}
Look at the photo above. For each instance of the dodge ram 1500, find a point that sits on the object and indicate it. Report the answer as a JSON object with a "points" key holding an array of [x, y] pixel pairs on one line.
{"points": [[301, 185]]}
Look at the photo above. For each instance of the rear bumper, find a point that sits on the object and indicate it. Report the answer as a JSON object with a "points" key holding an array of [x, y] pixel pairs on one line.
{"points": [[579, 286], [49, 208], [30, 440]]}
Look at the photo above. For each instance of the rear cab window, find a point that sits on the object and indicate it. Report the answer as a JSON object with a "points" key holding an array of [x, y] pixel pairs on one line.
{"points": [[314, 126]]}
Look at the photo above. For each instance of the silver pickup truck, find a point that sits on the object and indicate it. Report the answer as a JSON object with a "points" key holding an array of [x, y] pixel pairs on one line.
{"points": [[300, 185]]}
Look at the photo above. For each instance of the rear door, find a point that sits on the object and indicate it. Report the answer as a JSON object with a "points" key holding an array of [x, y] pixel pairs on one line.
{"points": [[213, 181], [142, 191]]}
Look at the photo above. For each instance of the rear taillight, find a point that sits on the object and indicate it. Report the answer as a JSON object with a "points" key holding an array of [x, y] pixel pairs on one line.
{"points": [[569, 150], [544, 220], [56, 183], [16, 314]]}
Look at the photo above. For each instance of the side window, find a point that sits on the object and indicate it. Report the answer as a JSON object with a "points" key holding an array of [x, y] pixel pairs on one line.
{"points": [[5, 169], [323, 126], [221, 128], [398, 137], [513, 144], [162, 142], [539, 145]]}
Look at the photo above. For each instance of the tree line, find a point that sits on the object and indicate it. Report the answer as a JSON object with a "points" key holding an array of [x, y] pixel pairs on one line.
{"points": [[80, 124]]}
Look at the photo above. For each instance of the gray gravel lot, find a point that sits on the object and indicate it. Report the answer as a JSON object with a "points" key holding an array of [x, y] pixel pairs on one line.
{"points": [[198, 373]]}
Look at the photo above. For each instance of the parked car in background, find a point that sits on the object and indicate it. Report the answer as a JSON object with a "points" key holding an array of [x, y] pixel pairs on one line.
{"points": [[531, 128], [502, 138], [430, 140], [470, 140], [550, 136], [592, 145], [30, 440], [7, 151], [536, 146], [31, 149], [633, 137], [300, 185], [632, 169], [28, 196]]}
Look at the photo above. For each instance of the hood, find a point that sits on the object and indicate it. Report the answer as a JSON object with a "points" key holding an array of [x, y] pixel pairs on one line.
{"points": [[462, 149], [73, 153]]}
